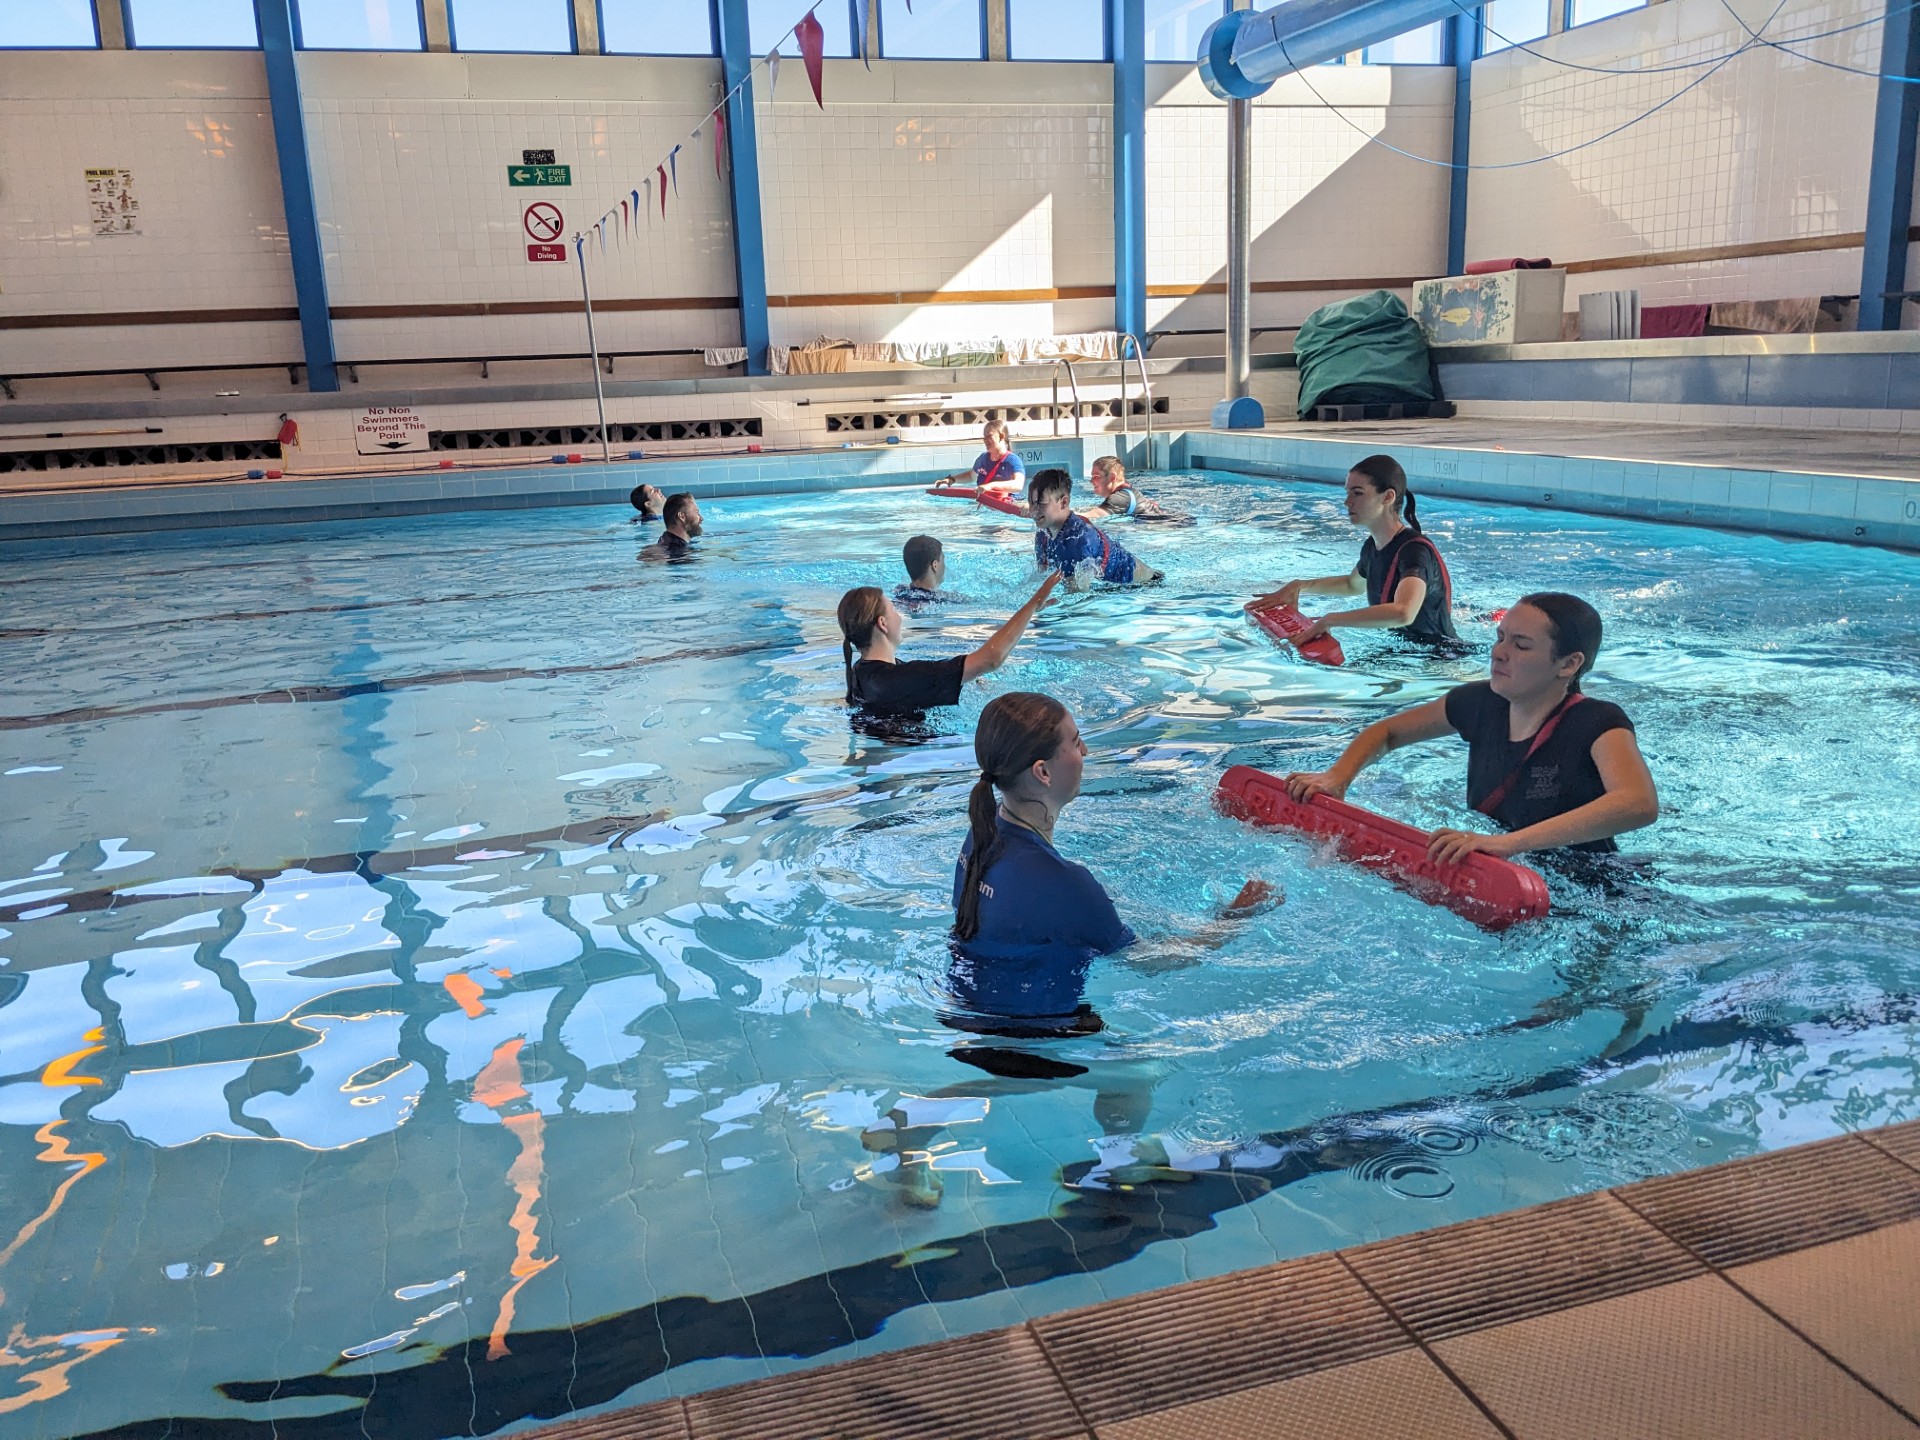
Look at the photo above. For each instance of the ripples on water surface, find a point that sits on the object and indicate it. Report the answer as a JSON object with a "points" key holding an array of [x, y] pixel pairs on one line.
{"points": [[449, 968]]}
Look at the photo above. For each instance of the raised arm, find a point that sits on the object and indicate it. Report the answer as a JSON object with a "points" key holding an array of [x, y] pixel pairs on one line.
{"points": [[1409, 727], [1630, 802], [992, 655], [1351, 583]]}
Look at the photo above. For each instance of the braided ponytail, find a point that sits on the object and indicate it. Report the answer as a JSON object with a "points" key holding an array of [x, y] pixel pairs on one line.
{"points": [[1016, 730], [860, 610]]}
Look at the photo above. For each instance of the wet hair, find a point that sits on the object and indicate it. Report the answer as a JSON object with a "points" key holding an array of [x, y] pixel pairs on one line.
{"points": [[1015, 730], [860, 611], [1572, 624], [674, 511], [920, 553], [999, 427], [1106, 463], [1383, 472], [1049, 482], [638, 499]]}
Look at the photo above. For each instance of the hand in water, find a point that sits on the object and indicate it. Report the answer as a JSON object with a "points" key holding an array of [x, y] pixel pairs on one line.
{"points": [[1287, 594], [1256, 895], [1303, 785], [1451, 847]]}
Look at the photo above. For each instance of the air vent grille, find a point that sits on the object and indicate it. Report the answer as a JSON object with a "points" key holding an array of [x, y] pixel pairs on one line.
{"points": [[872, 420], [115, 457], [547, 437]]}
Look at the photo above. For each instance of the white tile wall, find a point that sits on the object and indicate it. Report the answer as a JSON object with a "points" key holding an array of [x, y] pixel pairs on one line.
{"points": [[1768, 146]]}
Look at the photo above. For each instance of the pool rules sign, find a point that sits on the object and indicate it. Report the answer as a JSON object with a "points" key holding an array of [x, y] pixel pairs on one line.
{"points": [[388, 430]]}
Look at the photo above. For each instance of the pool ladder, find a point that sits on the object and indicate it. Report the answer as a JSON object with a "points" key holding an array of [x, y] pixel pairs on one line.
{"points": [[1146, 389]]}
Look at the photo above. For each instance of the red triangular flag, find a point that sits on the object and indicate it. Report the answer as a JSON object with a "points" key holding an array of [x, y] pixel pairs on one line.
{"points": [[661, 171], [626, 220], [812, 41], [719, 139]]}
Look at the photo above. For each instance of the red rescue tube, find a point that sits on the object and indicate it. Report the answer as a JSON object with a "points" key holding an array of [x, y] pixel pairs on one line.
{"points": [[1491, 892], [1284, 622], [954, 492], [1005, 504]]}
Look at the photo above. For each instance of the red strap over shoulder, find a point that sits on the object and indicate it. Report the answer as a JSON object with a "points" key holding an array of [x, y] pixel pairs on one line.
{"points": [[1393, 570], [1540, 737]]}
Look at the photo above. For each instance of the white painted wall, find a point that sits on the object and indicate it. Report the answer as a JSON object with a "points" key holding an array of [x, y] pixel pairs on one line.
{"points": [[1769, 146]]}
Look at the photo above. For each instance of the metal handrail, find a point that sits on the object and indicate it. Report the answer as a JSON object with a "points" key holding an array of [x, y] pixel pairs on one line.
{"points": [[1075, 383], [1146, 389]]}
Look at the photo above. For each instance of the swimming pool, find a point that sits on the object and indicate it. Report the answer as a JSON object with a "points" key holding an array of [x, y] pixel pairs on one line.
{"points": [[450, 968]]}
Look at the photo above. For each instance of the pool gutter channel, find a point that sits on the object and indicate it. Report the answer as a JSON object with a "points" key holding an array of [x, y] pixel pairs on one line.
{"points": [[1881, 511]]}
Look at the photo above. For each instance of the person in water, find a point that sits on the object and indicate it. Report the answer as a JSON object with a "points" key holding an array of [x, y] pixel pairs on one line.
{"points": [[1072, 544], [1118, 499], [881, 684], [1028, 923], [648, 501], [926, 562], [680, 513], [1554, 768], [1401, 573], [998, 468]]}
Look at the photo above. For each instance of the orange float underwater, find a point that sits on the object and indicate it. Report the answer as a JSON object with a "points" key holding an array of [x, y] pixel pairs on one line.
{"points": [[1491, 892], [1005, 504]]}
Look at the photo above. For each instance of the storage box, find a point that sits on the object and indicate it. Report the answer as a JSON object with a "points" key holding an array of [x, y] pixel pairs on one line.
{"points": [[1509, 307]]}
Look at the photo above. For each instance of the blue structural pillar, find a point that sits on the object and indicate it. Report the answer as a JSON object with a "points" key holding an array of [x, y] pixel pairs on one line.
{"points": [[743, 178], [1463, 44], [296, 191], [1127, 28], [1883, 273]]}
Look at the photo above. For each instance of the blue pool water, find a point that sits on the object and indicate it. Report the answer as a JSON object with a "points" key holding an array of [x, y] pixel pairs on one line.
{"points": [[447, 970]]}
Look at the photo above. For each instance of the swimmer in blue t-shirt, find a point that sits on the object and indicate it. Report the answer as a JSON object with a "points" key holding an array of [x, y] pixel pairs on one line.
{"points": [[926, 562], [1072, 544], [998, 468], [1027, 922]]}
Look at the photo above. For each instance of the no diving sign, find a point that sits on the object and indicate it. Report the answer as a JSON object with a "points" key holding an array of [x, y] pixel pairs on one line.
{"points": [[388, 429], [543, 223]]}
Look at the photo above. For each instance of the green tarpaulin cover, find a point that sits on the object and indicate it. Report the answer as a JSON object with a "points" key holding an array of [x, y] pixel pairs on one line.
{"points": [[1363, 351]]}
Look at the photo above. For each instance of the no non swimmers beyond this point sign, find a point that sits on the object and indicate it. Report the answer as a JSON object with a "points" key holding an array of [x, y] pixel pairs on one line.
{"points": [[387, 429]]}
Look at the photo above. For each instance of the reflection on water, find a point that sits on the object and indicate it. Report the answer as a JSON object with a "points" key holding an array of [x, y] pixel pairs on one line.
{"points": [[539, 1004]]}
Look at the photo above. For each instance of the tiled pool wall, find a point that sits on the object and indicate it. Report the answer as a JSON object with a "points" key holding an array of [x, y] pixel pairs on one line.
{"points": [[1861, 509]]}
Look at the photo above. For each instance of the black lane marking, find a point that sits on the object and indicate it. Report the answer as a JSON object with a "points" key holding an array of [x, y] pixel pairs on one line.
{"points": [[323, 694], [548, 1374]]}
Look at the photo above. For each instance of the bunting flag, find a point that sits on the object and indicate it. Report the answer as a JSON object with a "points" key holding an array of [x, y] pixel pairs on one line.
{"points": [[648, 182], [636, 204], [812, 41], [673, 164], [773, 71], [720, 138], [661, 171], [626, 221]]}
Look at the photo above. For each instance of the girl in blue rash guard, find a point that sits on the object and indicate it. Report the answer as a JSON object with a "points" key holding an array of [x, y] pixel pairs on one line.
{"points": [[1028, 923]]}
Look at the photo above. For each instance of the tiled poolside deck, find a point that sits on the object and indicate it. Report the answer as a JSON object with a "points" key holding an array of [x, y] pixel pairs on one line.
{"points": [[1777, 1296]]}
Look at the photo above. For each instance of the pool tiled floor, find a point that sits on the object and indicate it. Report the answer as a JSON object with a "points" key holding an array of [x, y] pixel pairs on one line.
{"points": [[1768, 1297]]}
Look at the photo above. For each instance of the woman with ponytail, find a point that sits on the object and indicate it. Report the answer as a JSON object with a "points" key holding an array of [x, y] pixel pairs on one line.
{"points": [[1554, 768], [1401, 573], [871, 626], [1027, 923]]}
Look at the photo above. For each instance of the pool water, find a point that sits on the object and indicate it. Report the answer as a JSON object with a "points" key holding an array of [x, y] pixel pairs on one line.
{"points": [[454, 975]]}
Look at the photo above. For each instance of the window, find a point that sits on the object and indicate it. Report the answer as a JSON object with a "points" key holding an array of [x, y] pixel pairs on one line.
{"points": [[542, 27], [657, 27], [1057, 29], [1585, 12], [359, 24], [48, 24], [1416, 47], [768, 20], [1174, 27], [191, 24], [1513, 22], [932, 30]]}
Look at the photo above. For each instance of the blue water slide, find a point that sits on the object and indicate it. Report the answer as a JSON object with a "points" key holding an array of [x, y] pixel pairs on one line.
{"points": [[1245, 51]]}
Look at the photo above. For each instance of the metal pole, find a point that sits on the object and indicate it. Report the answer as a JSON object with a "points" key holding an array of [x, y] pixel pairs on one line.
{"points": [[1239, 242], [593, 347]]}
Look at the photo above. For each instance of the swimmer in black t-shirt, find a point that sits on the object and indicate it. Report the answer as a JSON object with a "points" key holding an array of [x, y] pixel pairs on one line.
{"points": [[1400, 569], [881, 684], [1552, 767], [647, 501], [681, 514]]}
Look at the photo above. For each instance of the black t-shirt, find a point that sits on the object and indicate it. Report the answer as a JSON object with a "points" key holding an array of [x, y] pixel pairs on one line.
{"points": [[902, 687], [1560, 777], [1418, 560]]}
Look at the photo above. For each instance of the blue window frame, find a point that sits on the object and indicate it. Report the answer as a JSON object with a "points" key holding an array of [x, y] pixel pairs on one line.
{"points": [[933, 30], [768, 20], [657, 27], [1513, 22], [192, 25], [520, 27], [358, 24], [1425, 46], [1174, 28], [48, 25], [1057, 30]]}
